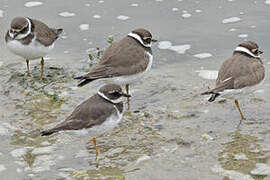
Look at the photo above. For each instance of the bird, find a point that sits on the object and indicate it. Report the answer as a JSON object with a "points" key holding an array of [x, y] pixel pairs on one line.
{"points": [[103, 109], [124, 61], [31, 39], [243, 70]]}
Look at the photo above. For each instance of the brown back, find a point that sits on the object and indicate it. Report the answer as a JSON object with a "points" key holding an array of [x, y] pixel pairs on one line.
{"points": [[121, 58], [93, 111], [44, 34], [243, 70]]}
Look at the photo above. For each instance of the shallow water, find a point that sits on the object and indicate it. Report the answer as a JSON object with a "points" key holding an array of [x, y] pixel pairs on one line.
{"points": [[170, 132]]}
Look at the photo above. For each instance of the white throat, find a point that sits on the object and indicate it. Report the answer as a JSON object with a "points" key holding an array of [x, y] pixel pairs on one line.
{"points": [[138, 38], [21, 36], [245, 50], [114, 101]]}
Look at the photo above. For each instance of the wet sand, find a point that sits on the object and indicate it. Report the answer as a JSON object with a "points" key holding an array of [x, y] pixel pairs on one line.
{"points": [[171, 132]]}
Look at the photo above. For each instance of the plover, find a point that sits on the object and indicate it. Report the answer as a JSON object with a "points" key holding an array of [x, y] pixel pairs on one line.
{"points": [[244, 69], [104, 109], [124, 61], [31, 39]]}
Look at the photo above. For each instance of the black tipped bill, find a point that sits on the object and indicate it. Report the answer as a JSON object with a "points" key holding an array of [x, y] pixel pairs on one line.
{"points": [[154, 40]]}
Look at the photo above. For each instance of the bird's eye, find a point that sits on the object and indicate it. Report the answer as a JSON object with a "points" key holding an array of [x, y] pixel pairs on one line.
{"points": [[24, 30], [255, 51], [147, 40], [115, 93]]}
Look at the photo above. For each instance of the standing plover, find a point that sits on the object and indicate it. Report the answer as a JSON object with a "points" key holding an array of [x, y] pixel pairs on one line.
{"points": [[244, 69], [124, 61], [104, 109], [31, 39]]}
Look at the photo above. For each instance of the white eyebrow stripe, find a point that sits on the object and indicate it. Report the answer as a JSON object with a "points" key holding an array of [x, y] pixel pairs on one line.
{"points": [[147, 38], [115, 101], [138, 38], [245, 50], [21, 36]]}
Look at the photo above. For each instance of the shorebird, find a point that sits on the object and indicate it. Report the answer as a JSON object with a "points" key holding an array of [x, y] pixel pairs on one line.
{"points": [[100, 112], [31, 39], [243, 70], [124, 61]]}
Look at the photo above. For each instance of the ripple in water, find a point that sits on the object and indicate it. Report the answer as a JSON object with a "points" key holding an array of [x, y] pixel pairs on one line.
{"points": [[1, 13], [231, 20], [33, 4], [122, 17], [67, 14], [84, 27], [203, 55]]}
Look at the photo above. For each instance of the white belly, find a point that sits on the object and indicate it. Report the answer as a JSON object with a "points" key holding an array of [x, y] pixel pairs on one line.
{"points": [[236, 93], [111, 122], [121, 80], [33, 50]]}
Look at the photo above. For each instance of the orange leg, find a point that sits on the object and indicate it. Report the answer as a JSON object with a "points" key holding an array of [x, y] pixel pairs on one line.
{"points": [[27, 65], [238, 107], [127, 90], [42, 67], [95, 145]]}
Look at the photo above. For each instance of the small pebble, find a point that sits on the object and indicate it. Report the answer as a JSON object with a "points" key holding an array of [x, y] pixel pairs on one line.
{"points": [[143, 158], [240, 156], [207, 137], [42, 150]]}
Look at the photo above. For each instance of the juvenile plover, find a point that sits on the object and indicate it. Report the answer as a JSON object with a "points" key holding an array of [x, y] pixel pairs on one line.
{"points": [[244, 69], [102, 109], [124, 61], [31, 39]]}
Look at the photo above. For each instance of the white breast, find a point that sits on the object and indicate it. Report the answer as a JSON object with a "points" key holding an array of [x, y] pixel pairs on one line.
{"points": [[33, 50], [108, 124], [130, 78]]}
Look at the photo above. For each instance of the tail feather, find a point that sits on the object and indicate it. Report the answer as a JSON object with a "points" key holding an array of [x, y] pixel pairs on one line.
{"points": [[207, 92], [84, 81], [213, 95], [58, 31], [48, 132], [79, 77]]}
